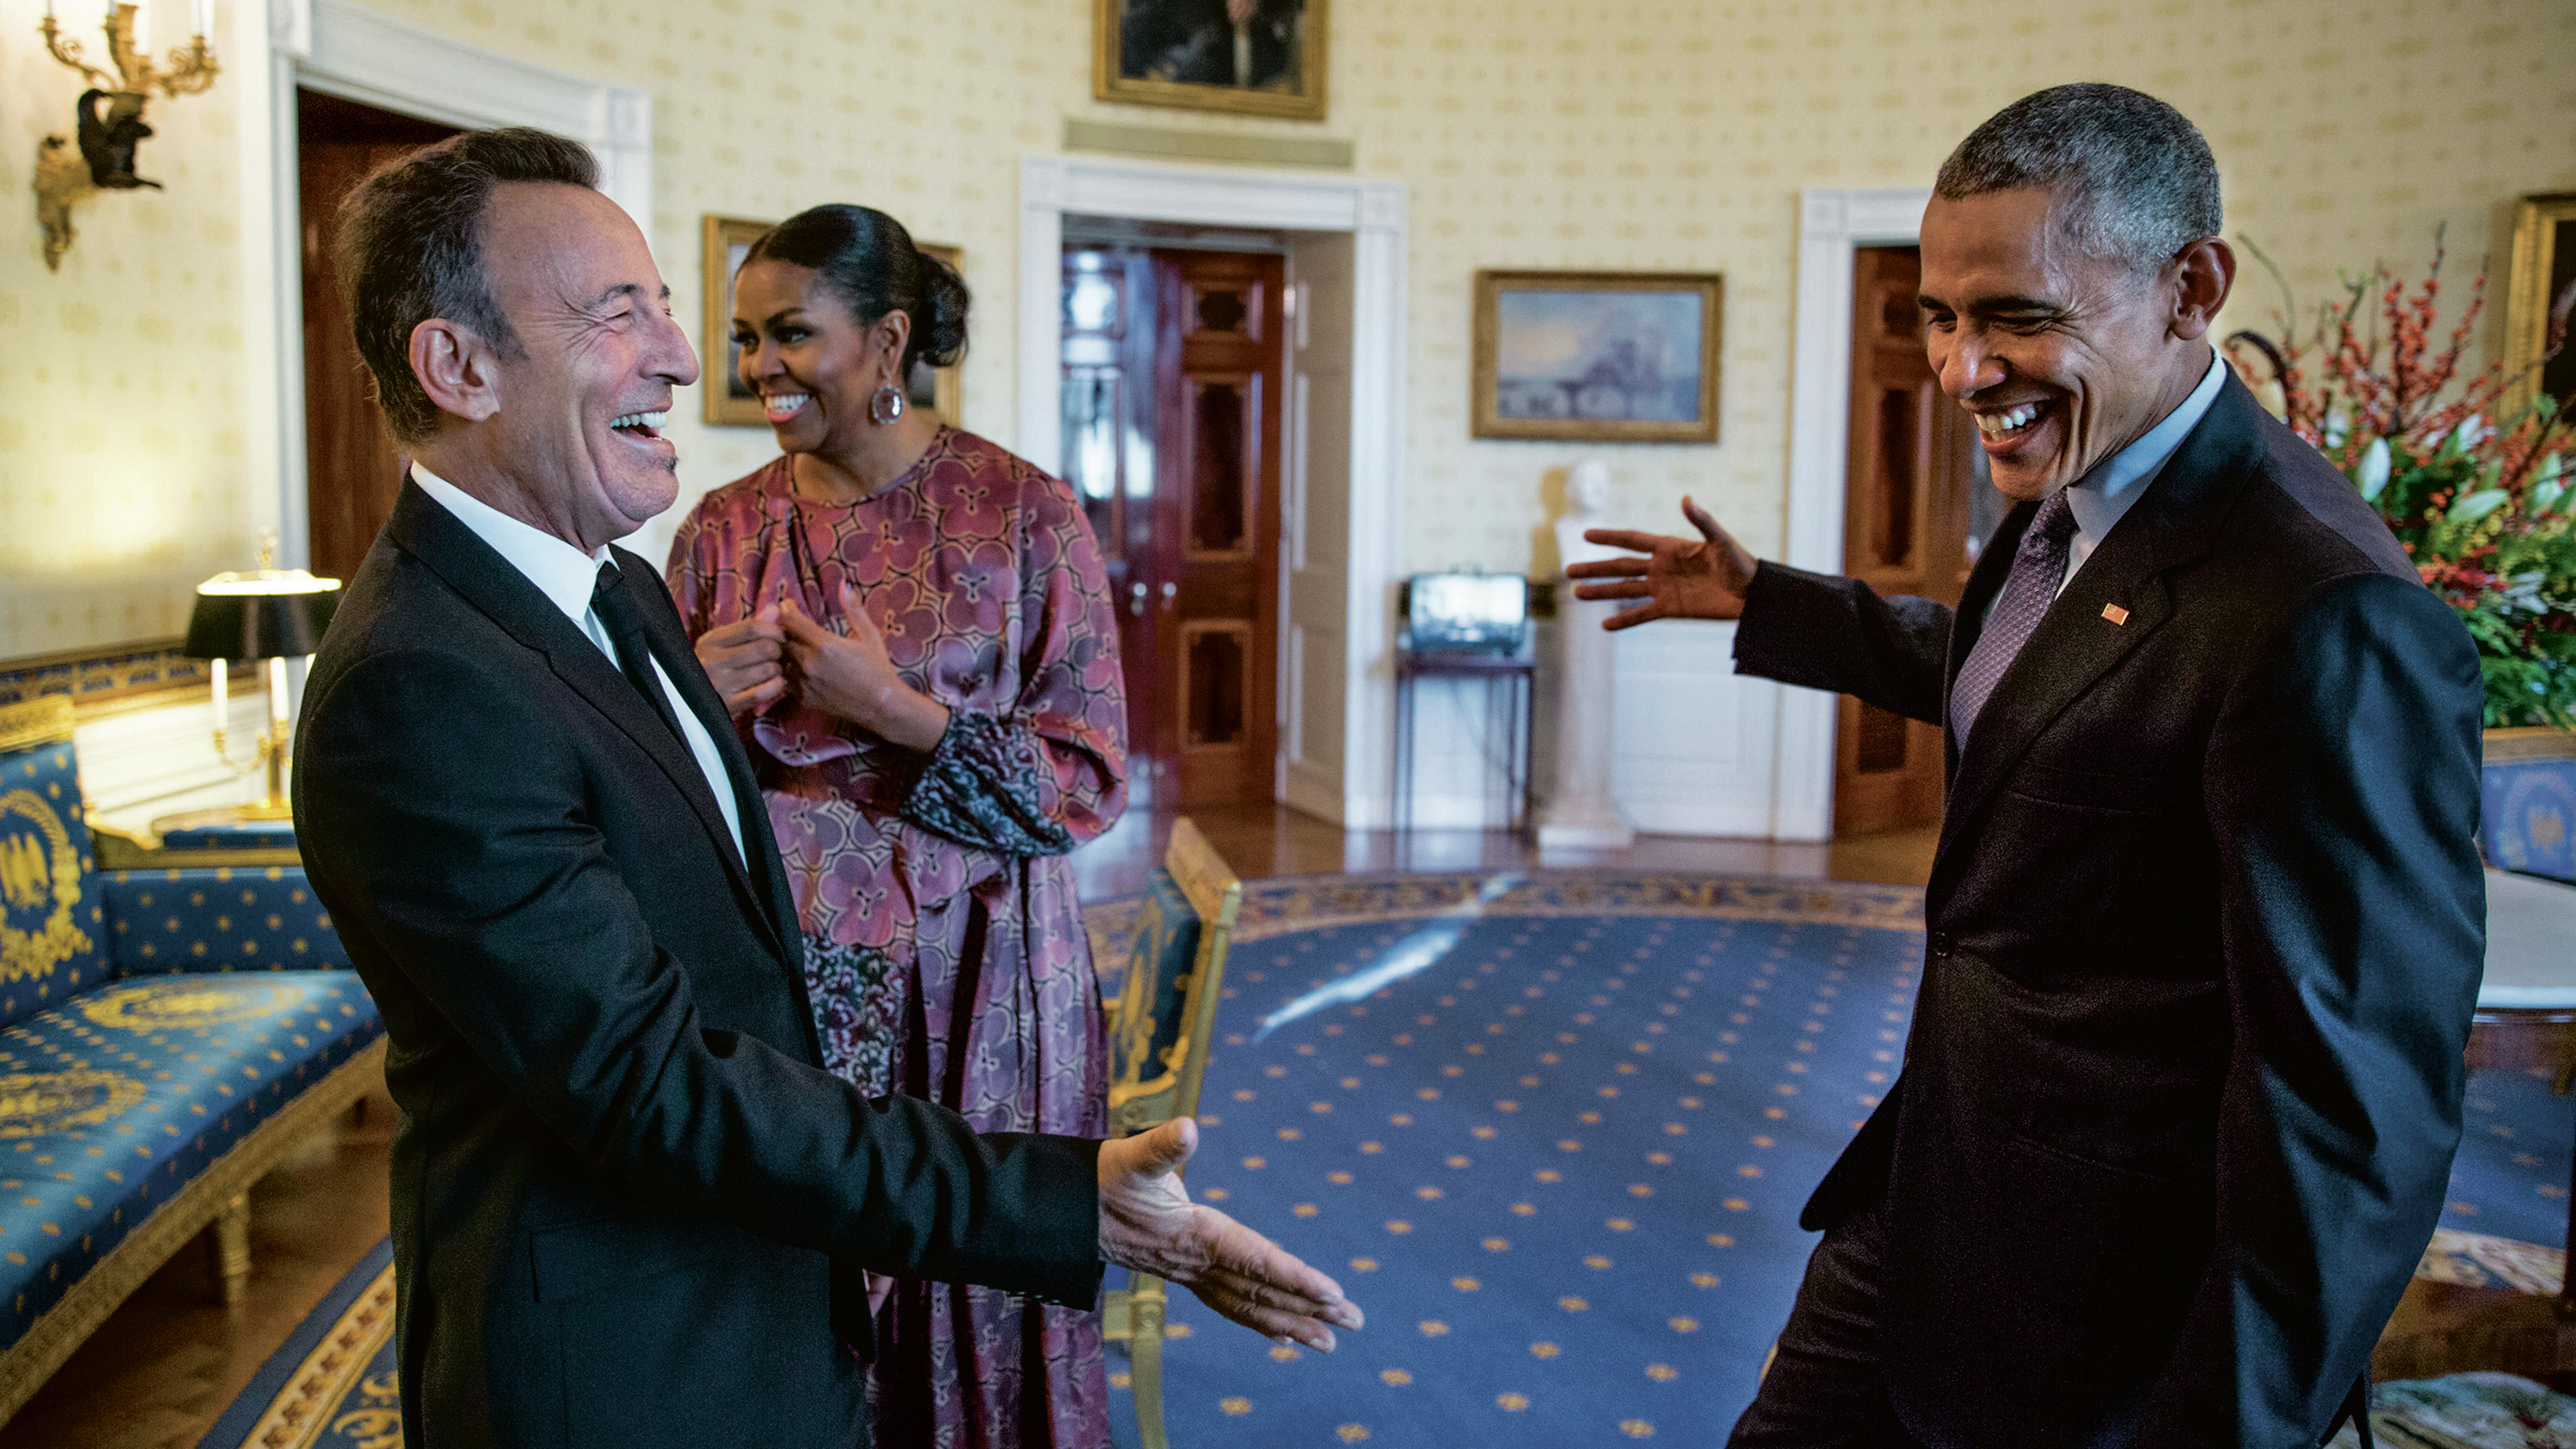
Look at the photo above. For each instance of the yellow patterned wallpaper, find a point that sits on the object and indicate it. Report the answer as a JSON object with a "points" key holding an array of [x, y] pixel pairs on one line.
{"points": [[1599, 135], [123, 426]]}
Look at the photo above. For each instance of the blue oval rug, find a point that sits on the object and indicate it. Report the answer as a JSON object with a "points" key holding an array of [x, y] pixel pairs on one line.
{"points": [[1552, 1129]]}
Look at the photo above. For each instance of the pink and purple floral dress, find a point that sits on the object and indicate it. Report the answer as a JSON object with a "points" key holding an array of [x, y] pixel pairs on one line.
{"points": [[945, 951]]}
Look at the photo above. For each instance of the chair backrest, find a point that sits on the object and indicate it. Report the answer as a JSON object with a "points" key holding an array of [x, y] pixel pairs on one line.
{"points": [[52, 933], [1166, 1010], [2529, 820]]}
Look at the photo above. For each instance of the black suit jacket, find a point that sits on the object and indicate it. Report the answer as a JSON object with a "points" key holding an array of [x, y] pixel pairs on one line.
{"points": [[628, 1205], [2206, 927]]}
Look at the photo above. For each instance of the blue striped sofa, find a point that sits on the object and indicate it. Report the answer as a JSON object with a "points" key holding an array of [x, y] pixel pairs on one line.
{"points": [[166, 1036]]}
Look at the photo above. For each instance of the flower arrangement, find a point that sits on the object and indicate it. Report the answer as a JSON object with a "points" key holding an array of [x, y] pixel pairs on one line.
{"points": [[2477, 486]]}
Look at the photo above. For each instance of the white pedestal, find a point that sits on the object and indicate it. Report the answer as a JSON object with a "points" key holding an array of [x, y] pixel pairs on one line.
{"points": [[1580, 814]]}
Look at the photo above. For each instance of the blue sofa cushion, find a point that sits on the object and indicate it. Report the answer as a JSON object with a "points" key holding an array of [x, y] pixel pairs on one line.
{"points": [[111, 1102], [224, 918], [51, 941], [2530, 816]]}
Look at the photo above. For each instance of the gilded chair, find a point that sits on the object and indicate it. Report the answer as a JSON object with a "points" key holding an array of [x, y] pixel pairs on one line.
{"points": [[1158, 1050]]}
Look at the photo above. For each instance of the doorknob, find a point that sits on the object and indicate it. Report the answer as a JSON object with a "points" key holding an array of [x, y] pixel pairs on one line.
{"points": [[1170, 591], [1136, 598]]}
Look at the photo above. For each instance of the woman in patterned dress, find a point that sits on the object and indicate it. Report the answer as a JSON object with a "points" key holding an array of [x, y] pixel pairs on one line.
{"points": [[915, 633]]}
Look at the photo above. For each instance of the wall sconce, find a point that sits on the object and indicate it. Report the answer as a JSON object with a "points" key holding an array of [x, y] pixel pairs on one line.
{"points": [[266, 616], [110, 124]]}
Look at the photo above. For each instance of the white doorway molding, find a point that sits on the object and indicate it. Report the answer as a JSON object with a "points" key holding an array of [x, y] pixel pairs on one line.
{"points": [[1833, 224], [1373, 213], [346, 50]]}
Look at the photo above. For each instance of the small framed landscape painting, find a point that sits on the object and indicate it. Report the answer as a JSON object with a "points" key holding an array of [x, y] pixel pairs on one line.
{"points": [[1612, 357], [1252, 57], [2544, 268], [729, 402]]}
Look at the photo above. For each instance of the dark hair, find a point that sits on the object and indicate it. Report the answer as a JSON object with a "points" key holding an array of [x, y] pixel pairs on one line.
{"points": [[411, 248], [868, 258], [2134, 179]]}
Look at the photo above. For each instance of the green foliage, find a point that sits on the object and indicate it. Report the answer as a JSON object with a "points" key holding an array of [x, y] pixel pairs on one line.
{"points": [[2501, 550]]}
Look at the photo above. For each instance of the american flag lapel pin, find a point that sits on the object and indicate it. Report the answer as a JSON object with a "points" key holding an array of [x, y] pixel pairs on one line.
{"points": [[2115, 613]]}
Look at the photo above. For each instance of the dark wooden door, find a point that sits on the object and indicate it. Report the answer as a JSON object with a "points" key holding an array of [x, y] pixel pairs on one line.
{"points": [[1907, 501], [352, 469], [1108, 458], [1214, 565], [1171, 377]]}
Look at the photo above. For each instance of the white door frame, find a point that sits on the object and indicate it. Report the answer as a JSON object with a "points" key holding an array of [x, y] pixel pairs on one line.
{"points": [[346, 50], [1833, 224], [1374, 212]]}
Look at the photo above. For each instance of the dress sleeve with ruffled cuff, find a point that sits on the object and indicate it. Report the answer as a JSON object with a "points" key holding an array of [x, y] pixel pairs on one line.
{"points": [[981, 787]]}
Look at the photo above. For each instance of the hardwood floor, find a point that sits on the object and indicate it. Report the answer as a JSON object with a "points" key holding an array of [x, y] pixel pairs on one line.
{"points": [[161, 1371]]}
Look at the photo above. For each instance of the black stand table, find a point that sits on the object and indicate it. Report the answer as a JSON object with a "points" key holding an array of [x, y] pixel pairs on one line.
{"points": [[1509, 708]]}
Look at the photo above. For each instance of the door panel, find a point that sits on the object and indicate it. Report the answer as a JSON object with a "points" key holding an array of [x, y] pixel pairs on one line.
{"points": [[1217, 525], [1905, 529], [352, 469], [1171, 435], [1109, 461]]}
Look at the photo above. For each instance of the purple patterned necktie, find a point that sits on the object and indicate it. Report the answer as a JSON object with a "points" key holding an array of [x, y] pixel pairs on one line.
{"points": [[2038, 568]]}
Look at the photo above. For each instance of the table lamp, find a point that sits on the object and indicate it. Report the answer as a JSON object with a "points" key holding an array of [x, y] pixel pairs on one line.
{"points": [[265, 616]]}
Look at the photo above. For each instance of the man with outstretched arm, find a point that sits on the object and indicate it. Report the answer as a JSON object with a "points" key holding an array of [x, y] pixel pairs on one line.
{"points": [[2206, 920], [629, 1205]]}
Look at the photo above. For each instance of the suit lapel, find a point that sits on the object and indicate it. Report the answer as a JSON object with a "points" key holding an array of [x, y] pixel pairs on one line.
{"points": [[486, 580], [2077, 642], [670, 640]]}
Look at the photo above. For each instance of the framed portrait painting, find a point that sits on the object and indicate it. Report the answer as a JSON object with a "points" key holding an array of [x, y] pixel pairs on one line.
{"points": [[2544, 267], [1252, 57], [726, 241], [1610, 357]]}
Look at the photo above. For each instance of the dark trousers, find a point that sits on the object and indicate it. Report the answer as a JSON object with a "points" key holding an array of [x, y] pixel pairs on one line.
{"points": [[1826, 1387]]}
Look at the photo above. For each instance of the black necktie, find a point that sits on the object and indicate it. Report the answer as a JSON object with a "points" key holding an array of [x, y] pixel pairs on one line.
{"points": [[616, 610]]}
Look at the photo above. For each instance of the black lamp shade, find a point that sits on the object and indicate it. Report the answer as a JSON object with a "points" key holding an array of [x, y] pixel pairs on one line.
{"points": [[247, 625]]}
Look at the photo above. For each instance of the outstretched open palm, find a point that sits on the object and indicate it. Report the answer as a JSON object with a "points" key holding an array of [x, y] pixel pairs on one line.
{"points": [[1147, 1222], [1680, 578]]}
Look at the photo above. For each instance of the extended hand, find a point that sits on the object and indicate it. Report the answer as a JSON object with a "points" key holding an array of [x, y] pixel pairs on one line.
{"points": [[850, 675], [1702, 578], [742, 658], [1147, 1222]]}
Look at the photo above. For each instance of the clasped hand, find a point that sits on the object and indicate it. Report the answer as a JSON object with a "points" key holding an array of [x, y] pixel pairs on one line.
{"points": [[1680, 578], [846, 674], [1148, 1223]]}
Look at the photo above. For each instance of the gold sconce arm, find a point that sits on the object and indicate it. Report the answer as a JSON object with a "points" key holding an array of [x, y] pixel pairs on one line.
{"points": [[69, 53], [103, 158]]}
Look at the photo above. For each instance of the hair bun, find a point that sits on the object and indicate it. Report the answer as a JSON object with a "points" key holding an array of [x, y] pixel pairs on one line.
{"points": [[942, 318]]}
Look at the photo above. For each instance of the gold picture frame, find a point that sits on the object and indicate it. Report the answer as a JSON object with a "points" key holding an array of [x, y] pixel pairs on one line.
{"points": [[2544, 264], [1142, 50], [1601, 357], [723, 242]]}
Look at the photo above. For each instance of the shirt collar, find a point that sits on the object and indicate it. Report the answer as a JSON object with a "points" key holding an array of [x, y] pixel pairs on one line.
{"points": [[2101, 497], [560, 571]]}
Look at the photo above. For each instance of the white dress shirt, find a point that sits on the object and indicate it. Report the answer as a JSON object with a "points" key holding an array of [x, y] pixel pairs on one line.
{"points": [[2102, 496], [567, 576]]}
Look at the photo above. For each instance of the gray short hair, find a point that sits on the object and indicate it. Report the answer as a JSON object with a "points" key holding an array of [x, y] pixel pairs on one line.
{"points": [[2133, 179], [411, 248]]}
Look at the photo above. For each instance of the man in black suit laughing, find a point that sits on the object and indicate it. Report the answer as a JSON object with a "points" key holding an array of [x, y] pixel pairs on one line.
{"points": [[629, 1206], [2205, 922]]}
